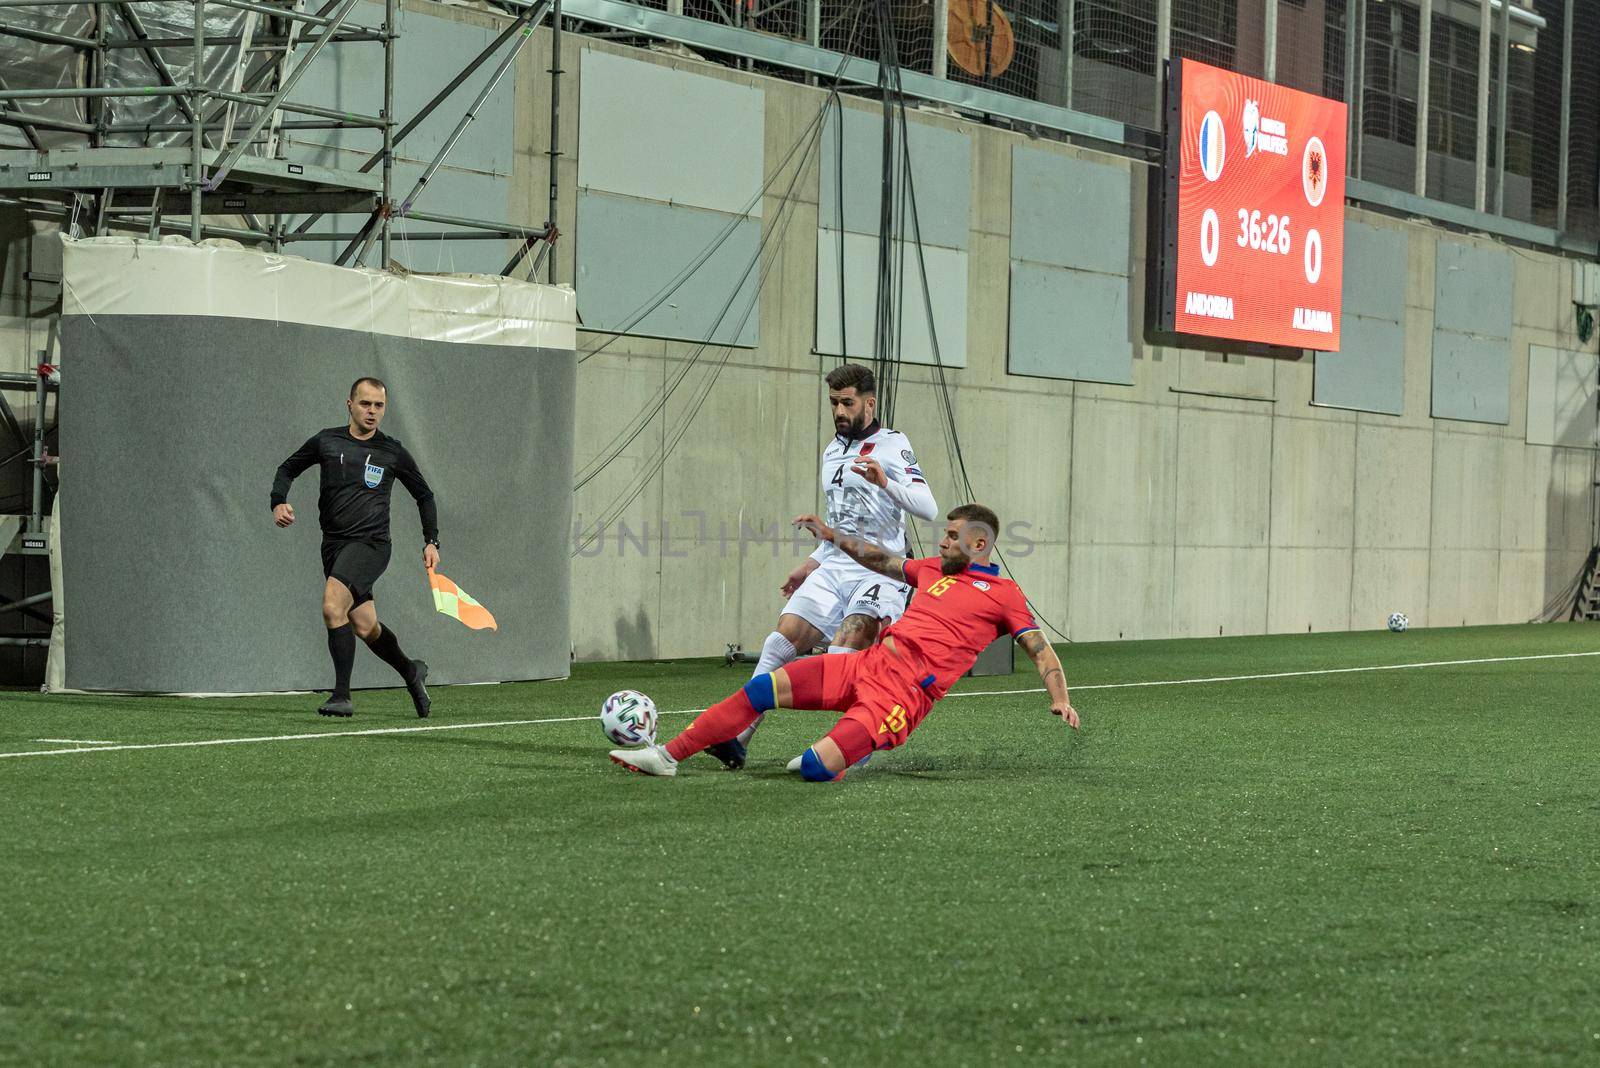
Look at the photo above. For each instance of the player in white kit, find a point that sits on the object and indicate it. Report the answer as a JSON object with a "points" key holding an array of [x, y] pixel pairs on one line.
{"points": [[870, 482]]}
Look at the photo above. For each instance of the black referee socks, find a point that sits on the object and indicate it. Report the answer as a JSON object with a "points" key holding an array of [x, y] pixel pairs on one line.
{"points": [[342, 647], [387, 646]]}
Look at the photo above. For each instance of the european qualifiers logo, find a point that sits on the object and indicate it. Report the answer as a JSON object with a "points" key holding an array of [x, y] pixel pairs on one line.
{"points": [[1213, 146], [1314, 171], [1263, 134]]}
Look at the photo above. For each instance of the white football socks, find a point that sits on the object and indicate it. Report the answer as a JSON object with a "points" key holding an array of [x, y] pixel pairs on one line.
{"points": [[776, 651]]}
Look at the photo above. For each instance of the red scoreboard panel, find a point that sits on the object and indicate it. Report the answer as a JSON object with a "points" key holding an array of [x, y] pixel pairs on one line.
{"points": [[1252, 236]]}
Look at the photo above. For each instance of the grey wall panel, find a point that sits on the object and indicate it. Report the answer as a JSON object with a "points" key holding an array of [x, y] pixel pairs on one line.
{"points": [[430, 52], [231, 603], [1562, 401], [1368, 373], [1069, 212], [630, 249], [1472, 290], [1069, 324], [448, 192], [941, 163], [1374, 272], [1471, 378], [947, 289], [649, 131]]}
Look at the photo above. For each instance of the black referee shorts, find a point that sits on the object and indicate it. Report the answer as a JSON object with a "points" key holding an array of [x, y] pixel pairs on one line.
{"points": [[357, 564]]}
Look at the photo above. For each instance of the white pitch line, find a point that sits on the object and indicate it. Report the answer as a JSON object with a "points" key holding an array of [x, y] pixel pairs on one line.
{"points": [[302, 737], [691, 711], [1282, 674], [73, 741]]}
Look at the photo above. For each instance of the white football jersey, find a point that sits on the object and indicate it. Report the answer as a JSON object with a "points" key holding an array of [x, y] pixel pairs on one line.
{"points": [[857, 507]]}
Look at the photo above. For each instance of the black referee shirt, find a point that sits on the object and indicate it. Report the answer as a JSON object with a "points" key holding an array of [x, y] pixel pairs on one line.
{"points": [[357, 477]]}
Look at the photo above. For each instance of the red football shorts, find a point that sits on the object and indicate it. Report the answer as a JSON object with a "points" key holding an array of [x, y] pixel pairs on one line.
{"points": [[875, 689]]}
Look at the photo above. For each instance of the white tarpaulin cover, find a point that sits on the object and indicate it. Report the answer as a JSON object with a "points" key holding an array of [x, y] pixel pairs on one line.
{"points": [[191, 372], [173, 276]]}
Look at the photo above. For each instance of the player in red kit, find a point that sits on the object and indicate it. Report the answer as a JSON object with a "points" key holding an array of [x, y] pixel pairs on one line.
{"points": [[961, 605]]}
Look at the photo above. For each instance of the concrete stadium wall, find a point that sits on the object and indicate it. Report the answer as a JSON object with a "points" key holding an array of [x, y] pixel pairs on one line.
{"points": [[1209, 497]]}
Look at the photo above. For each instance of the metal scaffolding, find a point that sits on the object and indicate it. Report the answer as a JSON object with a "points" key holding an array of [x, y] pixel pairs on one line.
{"points": [[175, 116], [220, 163]]}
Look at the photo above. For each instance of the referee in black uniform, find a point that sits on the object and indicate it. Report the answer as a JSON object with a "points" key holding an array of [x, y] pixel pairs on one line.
{"points": [[359, 469]]}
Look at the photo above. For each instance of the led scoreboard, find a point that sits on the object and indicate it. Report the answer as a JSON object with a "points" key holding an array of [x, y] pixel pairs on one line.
{"points": [[1251, 238]]}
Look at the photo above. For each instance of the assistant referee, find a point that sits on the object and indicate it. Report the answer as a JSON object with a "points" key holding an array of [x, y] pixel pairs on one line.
{"points": [[359, 468]]}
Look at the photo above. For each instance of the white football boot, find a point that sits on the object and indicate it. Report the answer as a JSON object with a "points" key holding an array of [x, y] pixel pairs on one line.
{"points": [[651, 760]]}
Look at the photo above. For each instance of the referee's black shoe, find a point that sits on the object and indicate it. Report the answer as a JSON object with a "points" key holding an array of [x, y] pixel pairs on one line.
{"points": [[337, 706], [419, 693]]}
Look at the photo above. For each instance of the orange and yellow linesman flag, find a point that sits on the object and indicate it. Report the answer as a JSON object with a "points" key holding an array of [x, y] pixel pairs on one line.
{"points": [[455, 602]]}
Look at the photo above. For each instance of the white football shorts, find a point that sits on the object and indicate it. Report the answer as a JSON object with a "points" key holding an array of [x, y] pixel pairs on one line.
{"points": [[834, 591]]}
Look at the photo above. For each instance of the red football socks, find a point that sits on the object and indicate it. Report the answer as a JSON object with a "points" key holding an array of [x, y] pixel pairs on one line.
{"points": [[721, 721]]}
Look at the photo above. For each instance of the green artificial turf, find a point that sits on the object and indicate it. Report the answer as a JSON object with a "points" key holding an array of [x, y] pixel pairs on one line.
{"points": [[1393, 867]]}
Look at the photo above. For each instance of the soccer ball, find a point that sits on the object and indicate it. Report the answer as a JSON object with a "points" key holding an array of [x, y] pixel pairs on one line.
{"points": [[629, 718], [1398, 622]]}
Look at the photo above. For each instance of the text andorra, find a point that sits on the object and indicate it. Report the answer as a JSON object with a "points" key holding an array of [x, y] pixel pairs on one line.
{"points": [[1211, 307]]}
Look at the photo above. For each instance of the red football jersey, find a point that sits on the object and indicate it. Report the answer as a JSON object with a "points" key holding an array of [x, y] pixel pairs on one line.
{"points": [[953, 618]]}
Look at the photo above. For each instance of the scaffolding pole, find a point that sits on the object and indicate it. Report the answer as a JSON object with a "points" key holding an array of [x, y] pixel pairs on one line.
{"points": [[40, 395], [555, 129], [381, 218], [389, 10], [197, 141], [122, 187], [530, 14], [270, 108]]}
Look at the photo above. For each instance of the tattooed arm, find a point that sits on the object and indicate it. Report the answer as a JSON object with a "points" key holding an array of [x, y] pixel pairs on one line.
{"points": [[1055, 680], [870, 556]]}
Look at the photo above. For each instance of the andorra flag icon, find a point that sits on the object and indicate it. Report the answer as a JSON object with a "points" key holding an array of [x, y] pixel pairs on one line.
{"points": [[455, 602]]}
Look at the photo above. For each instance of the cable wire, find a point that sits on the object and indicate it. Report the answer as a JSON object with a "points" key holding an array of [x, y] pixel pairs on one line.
{"points": [[637, 424], [775, 239], [943, 385]]}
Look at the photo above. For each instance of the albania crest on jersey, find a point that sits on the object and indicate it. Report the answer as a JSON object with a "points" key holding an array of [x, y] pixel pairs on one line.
{"points": [[374, 475]]}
